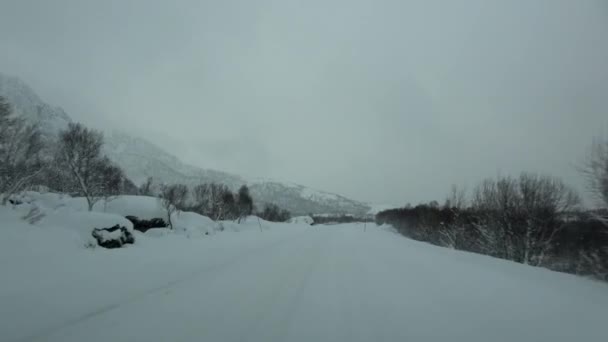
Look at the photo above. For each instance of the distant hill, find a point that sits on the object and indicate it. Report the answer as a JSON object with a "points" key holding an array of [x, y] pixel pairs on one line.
{"points": [[141, 159]]}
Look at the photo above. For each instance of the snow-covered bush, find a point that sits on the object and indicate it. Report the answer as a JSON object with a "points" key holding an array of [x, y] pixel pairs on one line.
{"points": [[273, 213], [301, 220]]}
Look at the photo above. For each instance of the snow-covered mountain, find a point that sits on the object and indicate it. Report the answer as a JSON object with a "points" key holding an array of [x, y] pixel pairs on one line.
{"points": [[25, 102], [141, 159]]}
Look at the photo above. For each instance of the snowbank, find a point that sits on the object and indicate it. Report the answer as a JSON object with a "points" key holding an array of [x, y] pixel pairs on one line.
{"points": [[82, 223], [192, 224], [63, 215], [301, 220], [247, 224], [157, 232], [142, 207], [47, 200], [11, 218], [69, 217]]}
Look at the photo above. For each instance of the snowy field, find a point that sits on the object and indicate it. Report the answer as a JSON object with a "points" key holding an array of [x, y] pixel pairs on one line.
{"points": [[288, 282]]}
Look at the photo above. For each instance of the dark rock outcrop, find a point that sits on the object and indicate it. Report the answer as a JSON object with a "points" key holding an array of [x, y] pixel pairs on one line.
{"points": [[144, 225]]}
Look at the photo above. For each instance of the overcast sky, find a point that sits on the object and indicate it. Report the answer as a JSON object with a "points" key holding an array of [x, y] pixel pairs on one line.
{"points": [[382, 101]]}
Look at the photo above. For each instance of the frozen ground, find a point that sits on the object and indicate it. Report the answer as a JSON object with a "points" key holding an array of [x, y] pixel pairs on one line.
{"points": [[289, 282]]}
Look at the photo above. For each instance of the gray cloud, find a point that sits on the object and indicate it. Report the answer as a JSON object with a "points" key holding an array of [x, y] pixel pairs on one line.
{"points": [[386, 101]]}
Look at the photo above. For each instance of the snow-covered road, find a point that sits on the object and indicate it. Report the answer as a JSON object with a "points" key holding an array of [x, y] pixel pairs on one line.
{"points": [[295, 283]]}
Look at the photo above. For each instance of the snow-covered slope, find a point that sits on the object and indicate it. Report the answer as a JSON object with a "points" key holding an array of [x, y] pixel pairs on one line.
{"points": [[302, 200], [26, 102], [288, 282], [141, 159]]}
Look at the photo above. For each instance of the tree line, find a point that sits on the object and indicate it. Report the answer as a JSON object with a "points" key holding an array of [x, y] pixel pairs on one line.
{"points": [[531, 219], [74, 163], [213, 200]]}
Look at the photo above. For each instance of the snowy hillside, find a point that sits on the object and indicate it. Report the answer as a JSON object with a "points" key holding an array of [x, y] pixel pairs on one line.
{"points": [[25, 102], [303, 200], [141, 159]]}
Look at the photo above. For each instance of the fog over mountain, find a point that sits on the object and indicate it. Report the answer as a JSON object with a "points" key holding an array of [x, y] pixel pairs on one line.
{"points": [[141, 159]]}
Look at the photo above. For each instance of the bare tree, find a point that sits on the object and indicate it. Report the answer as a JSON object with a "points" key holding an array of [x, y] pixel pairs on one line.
{"points": [[545, 201], [202, 195], [173, 198], [453, 235], [229, 206], [6, 119], [520, 217], [20, 152], [595, 171], [112, 177], [215, 201], [593, 262], [79, 153], [449, 237], [244, 203], [457, 198], [146, 188], [273, 213]]}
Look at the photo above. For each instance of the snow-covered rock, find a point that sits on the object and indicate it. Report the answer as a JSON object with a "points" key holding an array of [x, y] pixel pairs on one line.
{"points": [[143, 225], [113, 237]]}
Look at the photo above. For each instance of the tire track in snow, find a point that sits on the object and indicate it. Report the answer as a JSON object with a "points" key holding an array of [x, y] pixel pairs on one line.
{"points": [[274, 322], [42, 334]]}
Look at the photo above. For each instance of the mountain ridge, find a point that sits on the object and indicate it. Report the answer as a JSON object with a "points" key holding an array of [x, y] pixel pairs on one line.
{"points": [[140, 159]]}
